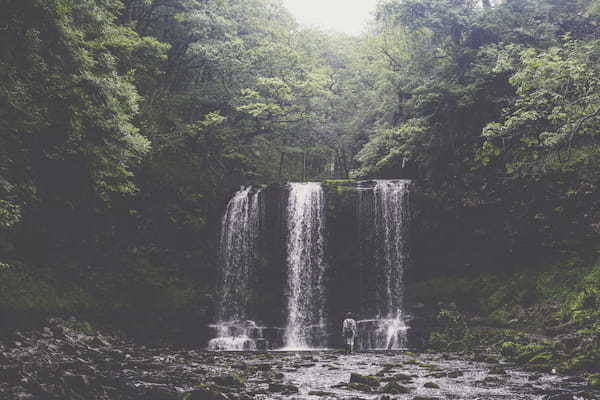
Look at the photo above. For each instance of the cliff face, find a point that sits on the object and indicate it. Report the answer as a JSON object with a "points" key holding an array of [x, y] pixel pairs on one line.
{"points": [[353, 253]]}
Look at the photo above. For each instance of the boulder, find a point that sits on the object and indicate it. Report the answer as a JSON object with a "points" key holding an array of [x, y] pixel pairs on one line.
{"points": [[360, 387], [99, 341], [282, 388], [161, 392], [368, 380], [320, 393], [262, 366], [594, 381], [497, 371], [204, 393], [395, 388], [402, 378], [231, 380]]}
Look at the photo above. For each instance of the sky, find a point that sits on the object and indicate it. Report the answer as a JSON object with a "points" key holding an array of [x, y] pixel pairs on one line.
{"points": [[347, 16]]}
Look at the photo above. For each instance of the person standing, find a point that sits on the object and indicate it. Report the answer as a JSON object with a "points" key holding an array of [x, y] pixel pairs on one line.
{"points": [[349, 332]]}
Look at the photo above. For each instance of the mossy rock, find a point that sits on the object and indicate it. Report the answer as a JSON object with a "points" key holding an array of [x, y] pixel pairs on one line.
{"points": [[579, 363], [395, 388], [431, 385], [455, 374], [263, 366], [497, 371], [340, 385], [320, 393], [338, 181], [543, 362], [231, 380], [527, 352], [438, 375], [402, 377], [594, 381], [545, 357], [273, 375], [360, 387], [485, 358], [368, 380], [430, 367], [225, 389], [509, 349], [282, 388], [392, 365]]}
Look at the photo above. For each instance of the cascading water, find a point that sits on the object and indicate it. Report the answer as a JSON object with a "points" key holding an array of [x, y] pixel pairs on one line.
{"points": [[375, 292], [239, 238], [384, 213], [306, 266]]}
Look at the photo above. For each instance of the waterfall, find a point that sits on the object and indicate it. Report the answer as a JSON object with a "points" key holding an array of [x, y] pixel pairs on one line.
{"points": [[304, 295], [306, 266], [240, 228], [384, 213], [390, 221]]}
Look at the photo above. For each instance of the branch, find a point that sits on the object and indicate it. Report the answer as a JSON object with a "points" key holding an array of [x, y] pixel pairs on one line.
{"points": [[578, 127], [395, 63]]}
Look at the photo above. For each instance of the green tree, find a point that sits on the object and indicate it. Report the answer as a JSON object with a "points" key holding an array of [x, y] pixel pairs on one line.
{"points": [[68, 108]]}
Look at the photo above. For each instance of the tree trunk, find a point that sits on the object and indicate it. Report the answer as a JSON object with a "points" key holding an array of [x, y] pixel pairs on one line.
{"points": [[344, 163], [281, 161]]}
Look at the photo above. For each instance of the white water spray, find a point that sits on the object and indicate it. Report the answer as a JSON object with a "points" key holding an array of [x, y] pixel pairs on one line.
{"points": [[385, 211], [306, 266], [239, 239]]}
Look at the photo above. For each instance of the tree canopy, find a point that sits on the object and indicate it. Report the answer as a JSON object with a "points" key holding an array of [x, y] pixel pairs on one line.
{"points": [[126, 124]]}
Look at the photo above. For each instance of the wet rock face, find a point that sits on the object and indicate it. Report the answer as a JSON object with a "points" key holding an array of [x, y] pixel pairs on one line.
{"points": [[370, 381], [282, 388], [69, 361], [395, 388]]}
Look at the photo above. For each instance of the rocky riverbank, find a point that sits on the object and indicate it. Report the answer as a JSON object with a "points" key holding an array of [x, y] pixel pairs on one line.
{"points": [[544, 321], [69, 360]]}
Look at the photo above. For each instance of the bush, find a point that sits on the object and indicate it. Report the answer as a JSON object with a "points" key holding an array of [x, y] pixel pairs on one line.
{"points": [[509, 349]]}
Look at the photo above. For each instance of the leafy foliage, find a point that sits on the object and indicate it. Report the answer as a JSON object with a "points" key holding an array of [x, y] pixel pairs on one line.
{"points": [[126, 124], [456, 68]]}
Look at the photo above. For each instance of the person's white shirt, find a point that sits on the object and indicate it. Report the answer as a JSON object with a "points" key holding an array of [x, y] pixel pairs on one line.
{"points": [[349, 324]]}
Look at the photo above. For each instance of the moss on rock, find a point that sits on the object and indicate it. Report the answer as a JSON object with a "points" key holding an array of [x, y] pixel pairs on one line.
{"points": [[395, 388], [369, 380]]}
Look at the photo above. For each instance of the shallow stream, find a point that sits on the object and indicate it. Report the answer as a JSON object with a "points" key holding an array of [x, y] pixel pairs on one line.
{"points": [[326, 375]]}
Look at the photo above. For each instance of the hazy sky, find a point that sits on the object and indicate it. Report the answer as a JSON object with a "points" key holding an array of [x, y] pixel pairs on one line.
{"points": [[340, 15]]}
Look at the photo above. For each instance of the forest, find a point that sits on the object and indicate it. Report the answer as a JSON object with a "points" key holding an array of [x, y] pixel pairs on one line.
{"points": [[127, 125]]}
